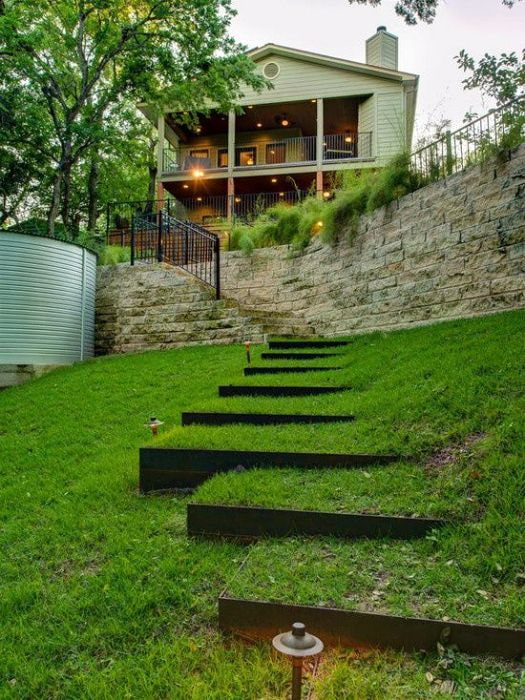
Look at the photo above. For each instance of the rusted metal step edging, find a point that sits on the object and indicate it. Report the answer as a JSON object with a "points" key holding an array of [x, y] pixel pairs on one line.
{"points": [[244, 522], [263, 620], [249, 371], [212, 418], [163, 468], [278, 390], [285, 344], [298, 355]]}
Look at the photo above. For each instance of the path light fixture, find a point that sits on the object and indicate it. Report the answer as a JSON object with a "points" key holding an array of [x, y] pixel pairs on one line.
{"points": [[247, 346], [297, 645], [154, 425]]}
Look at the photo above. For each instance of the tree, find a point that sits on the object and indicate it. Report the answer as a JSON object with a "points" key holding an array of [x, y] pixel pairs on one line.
{"points": [[413, 11], [501, 78], [83, 59]]}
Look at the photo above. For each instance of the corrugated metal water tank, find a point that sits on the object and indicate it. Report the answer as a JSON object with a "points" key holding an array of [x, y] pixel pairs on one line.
{"points": [[47, 301]]}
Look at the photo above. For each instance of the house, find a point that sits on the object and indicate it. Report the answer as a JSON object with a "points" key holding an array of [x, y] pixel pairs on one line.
{"points": [[323, 114]]}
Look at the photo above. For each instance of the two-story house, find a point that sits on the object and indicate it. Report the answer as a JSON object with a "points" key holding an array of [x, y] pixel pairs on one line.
{"points": [[322, 115]]}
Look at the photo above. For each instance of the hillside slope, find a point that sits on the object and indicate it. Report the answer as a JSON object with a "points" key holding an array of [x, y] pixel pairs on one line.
{"points": [[103, 595]]}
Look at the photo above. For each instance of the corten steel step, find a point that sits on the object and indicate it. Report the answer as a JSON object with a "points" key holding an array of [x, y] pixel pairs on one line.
{"points": [[249, 523], [283, 344], [191, 418], [164, 468], [249, 371], [248, 390], [348, 628], [297, 355]]}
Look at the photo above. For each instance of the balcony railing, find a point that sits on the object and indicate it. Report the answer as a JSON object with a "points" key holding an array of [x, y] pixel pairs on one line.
{"points": [[300, 150]]}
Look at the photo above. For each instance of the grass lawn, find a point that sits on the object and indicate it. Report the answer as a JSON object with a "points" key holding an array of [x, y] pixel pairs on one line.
{"points": [[102, 595]]}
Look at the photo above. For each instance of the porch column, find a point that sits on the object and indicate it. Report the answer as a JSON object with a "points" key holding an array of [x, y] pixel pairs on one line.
{"points": [[160, 156], [319, 147], [231, 164]]}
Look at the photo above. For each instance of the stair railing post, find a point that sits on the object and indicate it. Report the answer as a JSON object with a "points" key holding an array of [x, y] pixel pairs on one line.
{"points": [[132, 241], [217, 245], [159, 239], [186, 242]]}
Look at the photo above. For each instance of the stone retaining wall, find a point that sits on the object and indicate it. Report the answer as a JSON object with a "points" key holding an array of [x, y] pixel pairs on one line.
{"points": [[453, 249]]}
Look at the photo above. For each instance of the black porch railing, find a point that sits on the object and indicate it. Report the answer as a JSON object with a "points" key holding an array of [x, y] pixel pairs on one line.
{"points": [[154, 234]]}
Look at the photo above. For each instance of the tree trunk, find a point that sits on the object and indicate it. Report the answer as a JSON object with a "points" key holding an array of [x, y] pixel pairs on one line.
{"points": [[66, 192], [55, 203], [93, 194]]}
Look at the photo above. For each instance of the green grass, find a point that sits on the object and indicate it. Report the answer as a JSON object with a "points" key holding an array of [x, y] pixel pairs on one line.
{"points": [[103, 596]]}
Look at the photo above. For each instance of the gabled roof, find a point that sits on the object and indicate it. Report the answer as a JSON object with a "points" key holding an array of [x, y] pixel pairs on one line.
{"points": [[260, 52]]}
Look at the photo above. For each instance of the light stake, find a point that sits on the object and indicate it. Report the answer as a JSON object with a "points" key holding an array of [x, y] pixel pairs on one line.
{"points": [[297, 644], [153, 425], [247, 346]]}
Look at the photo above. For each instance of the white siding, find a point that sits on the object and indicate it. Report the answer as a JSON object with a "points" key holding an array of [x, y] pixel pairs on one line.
{"points": [[367, 114], [299, 80], [391, 124]]}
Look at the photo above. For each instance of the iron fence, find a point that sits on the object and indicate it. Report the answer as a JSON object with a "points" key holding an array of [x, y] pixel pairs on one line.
{"points": [[470, 144], [153, 233]]}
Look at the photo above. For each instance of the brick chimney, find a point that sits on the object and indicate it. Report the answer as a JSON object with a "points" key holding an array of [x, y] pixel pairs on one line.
{"points": [[381, 49]]}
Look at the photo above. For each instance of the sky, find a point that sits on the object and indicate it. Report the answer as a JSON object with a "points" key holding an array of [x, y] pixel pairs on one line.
{"points": [[336, 28]]}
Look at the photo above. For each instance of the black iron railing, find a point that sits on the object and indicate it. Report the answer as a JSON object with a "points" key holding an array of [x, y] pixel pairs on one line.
{"points": [[456, 150], [154, 234]]}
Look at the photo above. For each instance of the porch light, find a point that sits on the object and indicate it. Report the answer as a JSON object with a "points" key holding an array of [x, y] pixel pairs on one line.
{"points": [[259, 125], [198, 173], [285, 122], [348, 138], [250, 106], [314, 101], [274, 179], [250, 161], [153, 425], [297, 645], [237, 199], [199, 199], [185, 187], [281, 194], [198, 129]]}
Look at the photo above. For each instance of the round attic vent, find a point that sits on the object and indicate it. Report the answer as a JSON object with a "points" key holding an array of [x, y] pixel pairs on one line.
{"points": [[271, 70]]}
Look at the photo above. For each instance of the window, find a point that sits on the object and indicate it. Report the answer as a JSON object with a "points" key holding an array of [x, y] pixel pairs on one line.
{"points": [[222, 158], [271, 70], [246, 156], [199, 153]]}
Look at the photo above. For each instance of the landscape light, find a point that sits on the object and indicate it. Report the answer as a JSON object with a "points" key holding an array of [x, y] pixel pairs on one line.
{"points": [[247, 346], [297, 644], [153, 425], [326, 195]]}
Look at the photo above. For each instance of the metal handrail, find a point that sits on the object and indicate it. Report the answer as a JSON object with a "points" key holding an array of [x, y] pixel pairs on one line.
{"points": [[455, 150], [272, 151]]}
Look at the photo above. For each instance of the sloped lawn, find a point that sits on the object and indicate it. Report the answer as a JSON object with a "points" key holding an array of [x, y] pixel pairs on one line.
{"points": [[102, 595]]}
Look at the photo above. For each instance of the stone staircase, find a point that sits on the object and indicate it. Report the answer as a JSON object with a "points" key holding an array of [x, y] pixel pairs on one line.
{"points": [[156, 306]]}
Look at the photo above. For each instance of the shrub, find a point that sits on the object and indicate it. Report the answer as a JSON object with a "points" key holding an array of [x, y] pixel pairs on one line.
{"points": [[356, 193], [113, 255]]}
